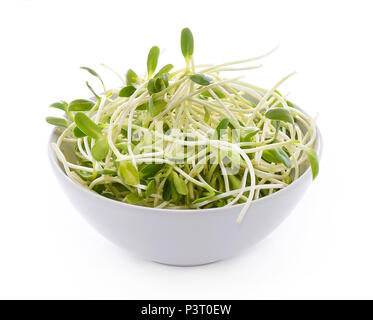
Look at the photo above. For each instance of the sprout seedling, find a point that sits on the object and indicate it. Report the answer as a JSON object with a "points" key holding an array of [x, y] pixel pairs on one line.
{"points": [[185, 139]]}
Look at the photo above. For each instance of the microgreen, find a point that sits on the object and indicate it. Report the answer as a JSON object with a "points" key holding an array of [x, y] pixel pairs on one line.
{"points": [[131, 77], [127, 91], [95, 74], [190, 138], [59, 122], [279, 114], [152, 60], [62, 105], [86, 125], [179, 184], [128, 173], [155, 107], [312, 157], [81, 105], [277, 155], [201, 79], [223, 125], [100, 149], [166, 69], [187, 43], [150, 170]]}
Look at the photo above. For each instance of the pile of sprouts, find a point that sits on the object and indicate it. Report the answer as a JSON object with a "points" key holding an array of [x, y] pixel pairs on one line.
{"points": [[185, 139]]}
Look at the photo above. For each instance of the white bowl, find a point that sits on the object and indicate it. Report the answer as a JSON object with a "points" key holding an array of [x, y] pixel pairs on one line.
{"points": [[183, 237]]}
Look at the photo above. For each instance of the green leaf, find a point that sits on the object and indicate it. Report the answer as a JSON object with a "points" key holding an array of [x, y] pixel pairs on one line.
{"points": [[187, 43], [166, 194], [223, 125], [144, 106], [86, 125], [248, 133], [81, 105], [93, 92], [279, 114], [131, 77], [59, 122], [127, 91], [95, 74], [206, 118], [312, 157], [180, 184], [290, 104], [199, 200], [152, 60], [150, 189], [160, 84], [78, 133], [166, 69], [155, 107], [235, 182], [151, 86], [62, 105], [201, 79], [107, 171], [128, 173], [164, 78], [150, 170], [133, 198], [218, 93], [100, 149], [277, 155], [277, 126]]}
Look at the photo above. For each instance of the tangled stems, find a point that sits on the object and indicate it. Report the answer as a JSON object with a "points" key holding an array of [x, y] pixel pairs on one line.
{"points": [[186, 139]]}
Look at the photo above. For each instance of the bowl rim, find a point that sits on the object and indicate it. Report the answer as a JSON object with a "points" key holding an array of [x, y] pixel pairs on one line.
{"points": [[57, 168]]}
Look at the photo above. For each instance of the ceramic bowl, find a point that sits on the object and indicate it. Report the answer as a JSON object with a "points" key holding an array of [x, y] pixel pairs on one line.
{"points": [[183, 237]]}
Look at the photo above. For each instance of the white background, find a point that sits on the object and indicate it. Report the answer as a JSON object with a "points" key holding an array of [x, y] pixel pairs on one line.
{"points": [[323, 250]]}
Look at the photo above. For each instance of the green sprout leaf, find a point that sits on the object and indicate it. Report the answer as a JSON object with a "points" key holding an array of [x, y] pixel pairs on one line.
{"points": [[218, 93], [155, 107], [93, 91], [81, 105], [312, 157], [86, 125], [166, 69], [159, 84], [127, 91], [206, 118], [131, 77], [277, 155], [100, 149], [133, 198], [59, 122], [201, 79], [234, 182], [128, 173], [150, 170], [156, 85], [78, 133], [223, 125], [180, 184], [248, 133], [95, 74], [150, 189], [187, 43], [279, 114], [152, 60], [166, 193], [199, 200], [62, 105], [107, 172]]}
